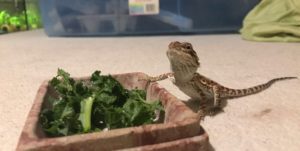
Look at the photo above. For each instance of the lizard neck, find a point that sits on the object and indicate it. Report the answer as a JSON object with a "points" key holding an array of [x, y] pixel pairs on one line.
{"points": [[183, 77], [183, 74]]}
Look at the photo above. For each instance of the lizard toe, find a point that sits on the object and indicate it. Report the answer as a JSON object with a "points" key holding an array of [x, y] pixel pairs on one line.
{"points": [[201, 115]]}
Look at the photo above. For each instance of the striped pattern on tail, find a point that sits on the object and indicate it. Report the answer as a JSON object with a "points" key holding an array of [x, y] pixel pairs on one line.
{"points": [[232, 93]]}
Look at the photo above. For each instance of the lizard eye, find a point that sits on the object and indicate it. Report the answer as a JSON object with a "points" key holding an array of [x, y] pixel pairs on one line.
{"points": [[188, 46]]}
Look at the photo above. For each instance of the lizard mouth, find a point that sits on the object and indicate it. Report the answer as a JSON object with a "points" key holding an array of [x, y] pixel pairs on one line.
{"points": [[182, 54], [174, 48], [172, 53]]}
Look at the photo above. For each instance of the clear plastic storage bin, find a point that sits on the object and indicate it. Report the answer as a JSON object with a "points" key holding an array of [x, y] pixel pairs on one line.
{"points": [[142, 17]]}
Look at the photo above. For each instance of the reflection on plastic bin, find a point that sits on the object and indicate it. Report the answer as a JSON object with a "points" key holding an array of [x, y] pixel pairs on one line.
{"points": [[113, 17]]}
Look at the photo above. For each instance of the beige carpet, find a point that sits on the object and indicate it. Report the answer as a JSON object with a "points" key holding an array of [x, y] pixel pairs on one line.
{"points": [[266, 121]]}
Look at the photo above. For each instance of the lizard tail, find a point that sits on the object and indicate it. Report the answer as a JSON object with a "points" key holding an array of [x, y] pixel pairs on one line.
{"points": [[232, 93]]}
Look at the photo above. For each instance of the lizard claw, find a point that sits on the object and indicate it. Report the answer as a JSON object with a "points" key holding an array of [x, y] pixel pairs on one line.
{"points": [[172, 79]]}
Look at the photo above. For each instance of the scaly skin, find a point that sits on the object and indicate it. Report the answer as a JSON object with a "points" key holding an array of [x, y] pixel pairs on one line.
{"points": [[184, 64]]}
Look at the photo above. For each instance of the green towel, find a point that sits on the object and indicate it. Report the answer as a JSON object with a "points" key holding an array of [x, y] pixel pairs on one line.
{"points": [[273, 20]]}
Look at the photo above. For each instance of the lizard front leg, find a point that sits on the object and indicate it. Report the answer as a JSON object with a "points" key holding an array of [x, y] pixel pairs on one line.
{"points": [[203, 108], [159, 77], [217, 102]]}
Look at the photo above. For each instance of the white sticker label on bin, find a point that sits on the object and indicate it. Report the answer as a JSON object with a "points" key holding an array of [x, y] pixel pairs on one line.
{"points": [[143, 7]]}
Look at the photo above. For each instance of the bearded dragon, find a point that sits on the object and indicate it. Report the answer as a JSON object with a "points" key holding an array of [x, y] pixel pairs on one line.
{"points": [[184, 64]]}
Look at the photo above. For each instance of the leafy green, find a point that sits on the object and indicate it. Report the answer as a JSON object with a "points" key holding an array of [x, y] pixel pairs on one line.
{"points": [[85, 113], [94, 105]]}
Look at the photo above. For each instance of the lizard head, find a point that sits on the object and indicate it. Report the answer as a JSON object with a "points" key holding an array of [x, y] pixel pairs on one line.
{"points": [[183, 57]]}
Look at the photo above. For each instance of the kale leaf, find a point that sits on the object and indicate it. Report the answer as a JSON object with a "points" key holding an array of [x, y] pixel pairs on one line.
{"points": [[94, 105]]}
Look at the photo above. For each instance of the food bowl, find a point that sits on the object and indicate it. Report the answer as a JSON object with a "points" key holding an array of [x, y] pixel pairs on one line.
{"points": [[179, 123]]}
